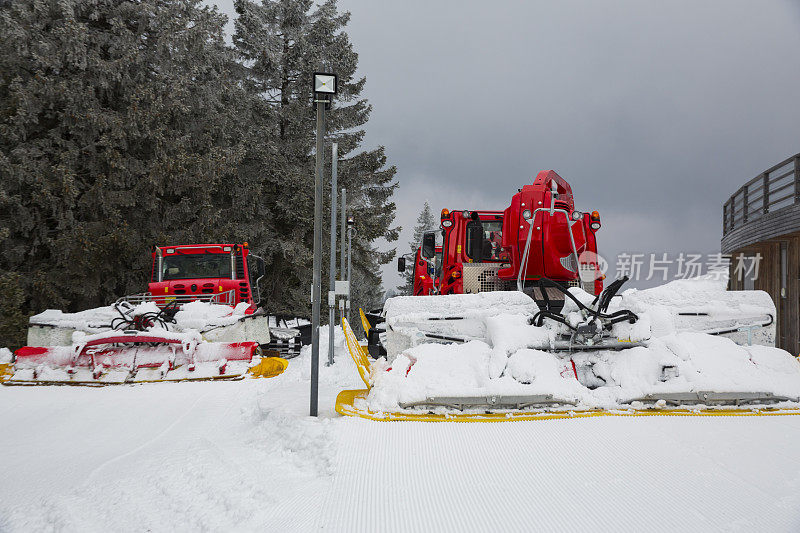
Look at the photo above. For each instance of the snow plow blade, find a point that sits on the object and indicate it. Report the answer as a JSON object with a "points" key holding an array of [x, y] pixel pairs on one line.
{"points": [[711, 398], [489, 402], [120, 357], [6, 371], [547, 406], [351, 402], [269, 367]]}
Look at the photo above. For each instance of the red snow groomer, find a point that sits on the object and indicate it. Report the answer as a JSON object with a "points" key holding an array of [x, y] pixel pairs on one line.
{"points": [[426, 272], [538, 240], [540, 245], [218, 273], [199, 320]]}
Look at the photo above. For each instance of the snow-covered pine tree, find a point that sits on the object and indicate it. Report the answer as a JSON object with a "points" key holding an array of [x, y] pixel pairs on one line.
{"points": [[117, 125], [425, 222], [280, 44]]}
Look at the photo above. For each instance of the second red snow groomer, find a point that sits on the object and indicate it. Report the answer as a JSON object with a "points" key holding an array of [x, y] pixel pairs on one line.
{"points": [[539, 236]]}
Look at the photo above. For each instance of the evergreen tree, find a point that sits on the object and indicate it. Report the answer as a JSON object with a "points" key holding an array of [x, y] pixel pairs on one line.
{"points": [[125, 124], [425, 222], [281, 43], [117, 132]]}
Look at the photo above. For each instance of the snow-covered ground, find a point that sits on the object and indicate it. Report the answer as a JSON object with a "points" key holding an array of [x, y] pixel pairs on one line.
{"points": [[245, 456]]}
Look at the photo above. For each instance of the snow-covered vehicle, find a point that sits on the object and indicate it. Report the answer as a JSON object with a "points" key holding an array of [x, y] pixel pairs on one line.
{"points": [[544, 344], [483, 356], [199, 320]]}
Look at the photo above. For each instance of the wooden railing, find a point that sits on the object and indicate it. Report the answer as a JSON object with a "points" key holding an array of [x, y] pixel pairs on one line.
{"points": [[776, 188]]}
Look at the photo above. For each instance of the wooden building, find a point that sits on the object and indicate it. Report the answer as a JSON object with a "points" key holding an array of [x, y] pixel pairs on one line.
{"points": [[762, 219]]}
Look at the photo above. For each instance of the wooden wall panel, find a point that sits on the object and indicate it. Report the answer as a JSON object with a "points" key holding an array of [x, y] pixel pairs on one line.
{"points": [[769, 280], [792, 318]]}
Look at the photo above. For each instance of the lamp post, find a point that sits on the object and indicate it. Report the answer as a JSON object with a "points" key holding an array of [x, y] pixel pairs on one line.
{"points": [[324, 89], [342, 271], [332, 277], [350, 231]]}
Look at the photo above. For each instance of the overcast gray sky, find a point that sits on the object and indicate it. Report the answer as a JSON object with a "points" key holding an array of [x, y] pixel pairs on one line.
{"points": [[655, 112]]}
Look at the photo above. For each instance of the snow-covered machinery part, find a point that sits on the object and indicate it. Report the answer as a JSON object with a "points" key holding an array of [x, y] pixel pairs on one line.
{"points": [[215, 322], [127, 343], [134, 356], [590, 328], [374, 327], [464, 356]]}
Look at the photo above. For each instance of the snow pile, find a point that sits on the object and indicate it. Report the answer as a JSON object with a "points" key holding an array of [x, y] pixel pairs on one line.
{"points": [[90, 321], [5, 356], [192, 315], [702, 304], [680, 362], [145, 308], [216, 322], [305, 443], [341, 375], [689, 362], [463, 316], [202, 315], [451, 370]]}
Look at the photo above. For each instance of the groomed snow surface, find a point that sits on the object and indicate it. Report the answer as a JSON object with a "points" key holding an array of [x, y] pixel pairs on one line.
{"points": [[244, 456]]}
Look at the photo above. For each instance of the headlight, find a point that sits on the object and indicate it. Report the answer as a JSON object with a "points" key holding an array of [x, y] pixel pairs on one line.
{"points": [[447, 223], [577, 215], [526, 214]]}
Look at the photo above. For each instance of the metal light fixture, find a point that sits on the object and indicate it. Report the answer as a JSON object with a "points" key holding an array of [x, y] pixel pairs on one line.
{"points": [[325, 83]]}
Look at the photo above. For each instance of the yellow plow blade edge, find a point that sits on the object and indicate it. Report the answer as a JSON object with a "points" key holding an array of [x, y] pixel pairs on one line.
{"points": [[364, 321], [269, 367], [358, 353], [6, 371], [347, 404]]}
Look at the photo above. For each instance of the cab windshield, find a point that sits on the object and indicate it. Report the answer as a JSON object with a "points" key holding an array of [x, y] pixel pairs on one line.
{"points": [[491, 240], [196, 266]]}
